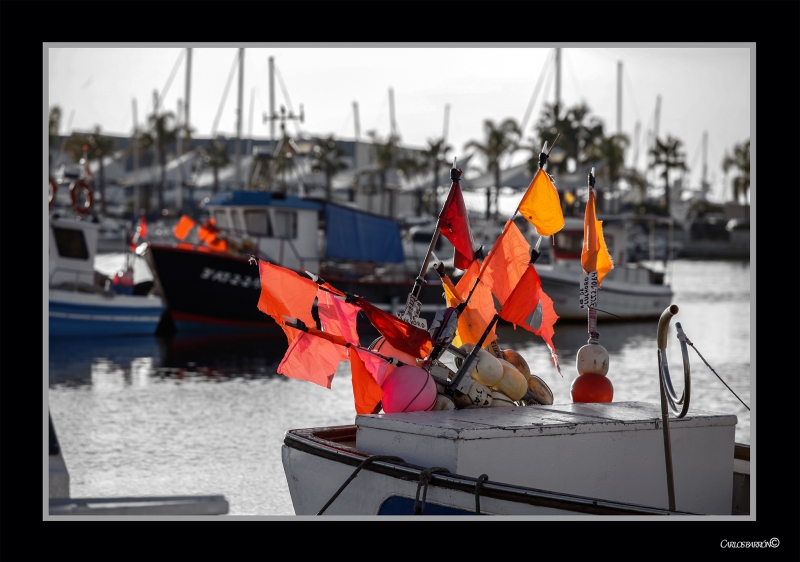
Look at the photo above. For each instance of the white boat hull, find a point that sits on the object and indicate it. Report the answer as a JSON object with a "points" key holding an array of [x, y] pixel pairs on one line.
{"points": [[625, 293]]}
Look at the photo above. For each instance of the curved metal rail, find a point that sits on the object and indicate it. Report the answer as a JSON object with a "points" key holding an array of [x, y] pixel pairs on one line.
{"points": [[669, 397], [663, 365]]}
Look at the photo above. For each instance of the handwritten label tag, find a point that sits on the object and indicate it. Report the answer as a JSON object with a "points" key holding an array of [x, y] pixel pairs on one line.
{"points": [[588, 294], [411, 313]]}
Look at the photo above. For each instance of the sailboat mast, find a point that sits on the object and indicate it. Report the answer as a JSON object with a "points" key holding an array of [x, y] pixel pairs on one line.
{"points": [[558, 79], [239, 122], [136, 199], [391, 112], [446, 123], [272, 99], [358, 135], [619, 97], [704, 185]]}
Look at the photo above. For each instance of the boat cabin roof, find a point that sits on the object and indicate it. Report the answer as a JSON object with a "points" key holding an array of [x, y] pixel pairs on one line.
{"points": [[260, 199]]}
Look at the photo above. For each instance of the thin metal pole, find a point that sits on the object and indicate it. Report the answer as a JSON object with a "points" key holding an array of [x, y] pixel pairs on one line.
{"points": [[667, 442]]}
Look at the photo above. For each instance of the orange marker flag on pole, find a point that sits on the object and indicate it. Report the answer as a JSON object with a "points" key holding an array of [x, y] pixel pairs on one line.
{"points": [[594, 255], [541, 206], [311, 358], [366, 390], [530, 307], [479, 311], [285, 293], [506, 262], [184, 226]]}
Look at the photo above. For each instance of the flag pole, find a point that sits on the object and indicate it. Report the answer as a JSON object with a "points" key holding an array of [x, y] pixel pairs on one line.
{"points": [[543, 155], [592, 312], [455, 176]]}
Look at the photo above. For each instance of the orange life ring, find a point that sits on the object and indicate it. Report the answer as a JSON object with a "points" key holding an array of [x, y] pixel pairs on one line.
{"points": [[52, 198], [81, 185]]}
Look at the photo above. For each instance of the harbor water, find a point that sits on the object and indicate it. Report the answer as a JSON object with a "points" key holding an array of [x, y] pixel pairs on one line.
{"points": [[150, 416]]}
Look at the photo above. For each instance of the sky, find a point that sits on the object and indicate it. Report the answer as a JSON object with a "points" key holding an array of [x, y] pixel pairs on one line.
{"points": [[436, 90]]}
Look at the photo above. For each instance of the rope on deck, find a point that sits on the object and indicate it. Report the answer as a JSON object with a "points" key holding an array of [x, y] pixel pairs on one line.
{"points": [[424, 478], [364, 463], [481, 479]]}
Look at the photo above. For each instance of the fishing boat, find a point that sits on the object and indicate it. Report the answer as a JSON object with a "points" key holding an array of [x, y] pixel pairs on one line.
{"points": [[631, 291], [81, 301], [209, 284], [486, 436]]}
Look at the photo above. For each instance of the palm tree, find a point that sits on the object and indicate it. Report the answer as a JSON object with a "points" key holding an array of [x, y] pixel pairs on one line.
{"points": [[386, 155], [741, 161], [434, 157], [409, 166], [327, 159], [611, 151], [97, 146], [53, 124], [585, 128], [500, 140], [164, 133], [217, 157], [668, 155], [550, 124]]}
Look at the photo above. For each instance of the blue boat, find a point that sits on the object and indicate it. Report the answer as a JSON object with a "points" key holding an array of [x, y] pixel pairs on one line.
{"points": [[81, 303]]}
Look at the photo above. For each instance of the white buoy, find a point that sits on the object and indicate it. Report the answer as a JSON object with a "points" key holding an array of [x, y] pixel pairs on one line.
{"points": [[500, 400], [592, 358], [513, 383], [479, 395]]}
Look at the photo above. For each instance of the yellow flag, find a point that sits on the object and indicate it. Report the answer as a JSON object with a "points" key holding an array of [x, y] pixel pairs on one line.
{"points": [[471, 323], [594, 255], [541, 206]]}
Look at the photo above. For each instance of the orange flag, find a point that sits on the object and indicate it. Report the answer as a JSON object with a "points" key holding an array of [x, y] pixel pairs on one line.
{"points": [[311, 358], [285, 293], [480, 309], [183, 227], [208, 234], [503, 270], [541, 206], [366, 390], [594, 255], [530, 307]]}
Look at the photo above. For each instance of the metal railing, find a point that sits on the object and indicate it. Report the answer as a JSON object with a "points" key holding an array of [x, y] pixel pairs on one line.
{"points": [[669, 398]]}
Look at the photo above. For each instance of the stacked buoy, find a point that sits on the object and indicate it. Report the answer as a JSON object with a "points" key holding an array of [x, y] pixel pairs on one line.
{"points": [[592, 384]]}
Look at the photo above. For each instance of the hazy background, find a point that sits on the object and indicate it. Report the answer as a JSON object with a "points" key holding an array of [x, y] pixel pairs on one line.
{"points": [[701, 88]]}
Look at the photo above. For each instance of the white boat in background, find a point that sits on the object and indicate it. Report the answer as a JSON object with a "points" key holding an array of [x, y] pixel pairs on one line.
{"points": [[80, 304], [630, 291]]}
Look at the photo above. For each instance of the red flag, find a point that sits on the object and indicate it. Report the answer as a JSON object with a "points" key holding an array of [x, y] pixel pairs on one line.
{"points": [[377, 366], [285, 293], [506, 262], [311, 358], [366, 391], [401, 335], [337, 318], [141, 232], [454, 225], [530, 307]]}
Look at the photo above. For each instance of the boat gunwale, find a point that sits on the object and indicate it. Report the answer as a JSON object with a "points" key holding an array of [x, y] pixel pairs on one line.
{"points": [[329, 443]]}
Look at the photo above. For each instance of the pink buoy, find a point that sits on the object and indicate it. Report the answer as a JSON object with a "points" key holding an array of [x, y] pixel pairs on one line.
{"points": [[408, 389]]}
